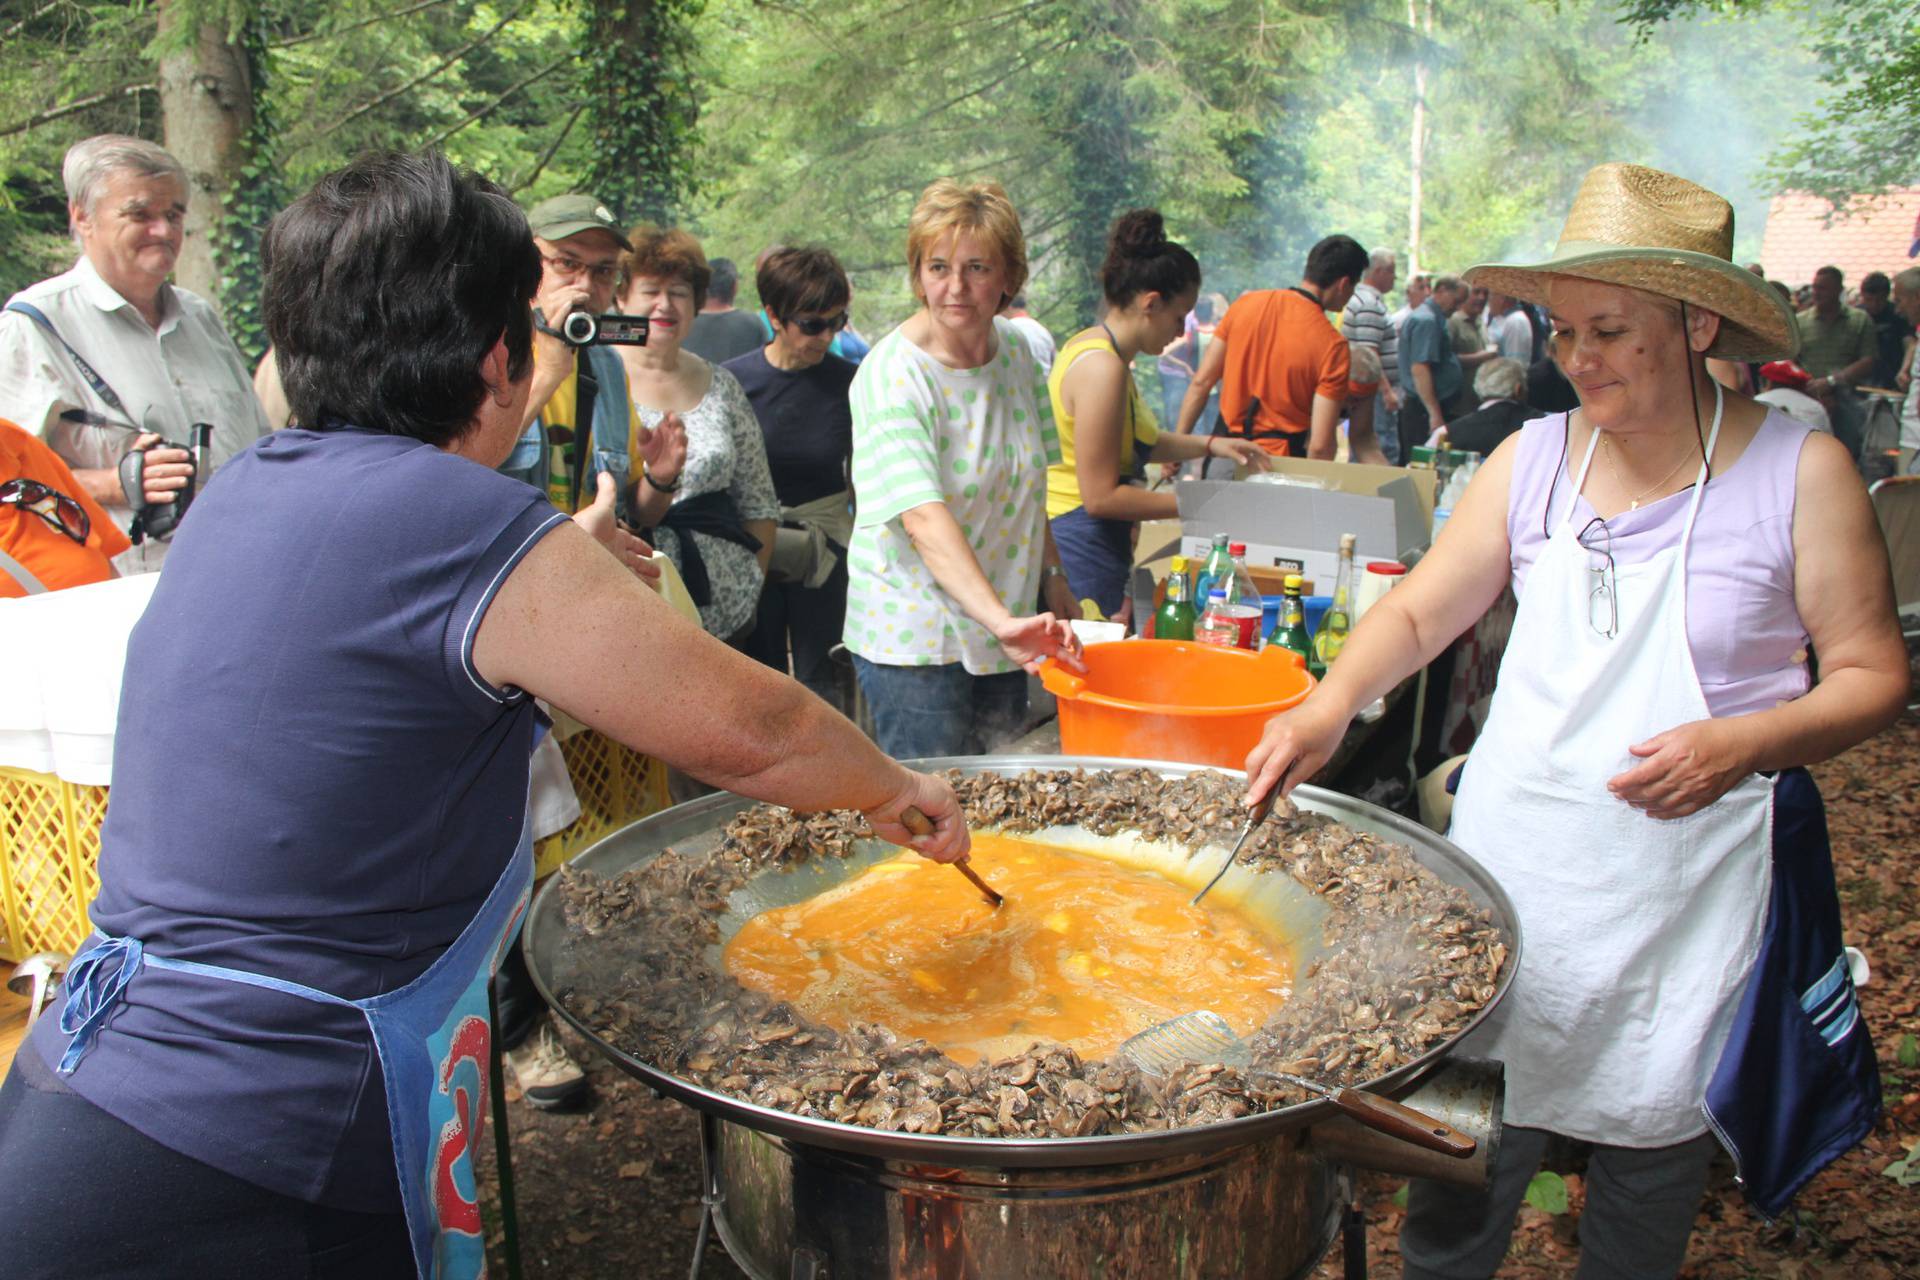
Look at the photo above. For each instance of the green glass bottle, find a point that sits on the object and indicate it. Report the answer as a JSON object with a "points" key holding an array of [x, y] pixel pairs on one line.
{"points": [[1175, 617], [1338, 620], [1290, 628]]}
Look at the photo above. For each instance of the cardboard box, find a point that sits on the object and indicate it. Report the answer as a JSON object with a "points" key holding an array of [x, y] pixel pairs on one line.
{"points": [[1297, 530]]}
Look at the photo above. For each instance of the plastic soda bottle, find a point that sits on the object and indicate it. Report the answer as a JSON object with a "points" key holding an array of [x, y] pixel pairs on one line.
{"points": [[1216, 625], [1235, 602], [1334, 627], [1175, 618], [1290, 629], [1219, 563]]}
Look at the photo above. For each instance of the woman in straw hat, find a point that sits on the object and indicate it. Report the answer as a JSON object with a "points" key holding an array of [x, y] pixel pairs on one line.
{"points": [[1677, 551]]}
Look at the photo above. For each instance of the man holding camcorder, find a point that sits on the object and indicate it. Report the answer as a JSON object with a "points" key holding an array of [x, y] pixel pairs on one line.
{"points": [[112, 365], [580, 246]]}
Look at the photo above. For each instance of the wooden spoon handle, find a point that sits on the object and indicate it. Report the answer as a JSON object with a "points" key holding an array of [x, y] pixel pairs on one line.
{"points": [[1402, 1122], [917, 822]]}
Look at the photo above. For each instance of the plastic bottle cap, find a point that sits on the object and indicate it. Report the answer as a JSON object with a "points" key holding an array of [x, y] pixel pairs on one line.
{"points": [[1293, 582], [1217, 593], [1237, 549], [1179, 564], [1389, 567]]}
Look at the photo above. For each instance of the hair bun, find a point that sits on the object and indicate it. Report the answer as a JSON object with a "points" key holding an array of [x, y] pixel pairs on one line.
{"points": [[1140, 233]]}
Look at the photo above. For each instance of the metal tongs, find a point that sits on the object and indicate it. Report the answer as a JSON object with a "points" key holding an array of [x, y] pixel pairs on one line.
{"points": [[1258, 816], [921, 825]]}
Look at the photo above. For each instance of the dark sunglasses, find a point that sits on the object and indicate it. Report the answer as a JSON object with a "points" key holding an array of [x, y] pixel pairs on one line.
{"points": [[814, 326], [66, 514]]}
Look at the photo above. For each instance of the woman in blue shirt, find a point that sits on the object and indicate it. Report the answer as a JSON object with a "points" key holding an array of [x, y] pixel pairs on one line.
{"points": [[270, 1058]]}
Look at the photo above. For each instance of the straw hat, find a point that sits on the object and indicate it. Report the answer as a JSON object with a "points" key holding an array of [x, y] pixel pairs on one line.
{"points": [[1645, 229]]}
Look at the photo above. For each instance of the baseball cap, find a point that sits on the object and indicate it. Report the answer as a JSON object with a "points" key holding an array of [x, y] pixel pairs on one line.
{"points": [[558, 217], [1785, 373]]}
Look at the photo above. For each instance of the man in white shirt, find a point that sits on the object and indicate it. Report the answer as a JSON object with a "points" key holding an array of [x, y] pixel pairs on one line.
{"points": [[1037, 335], [1508, 328], [152, 359]]}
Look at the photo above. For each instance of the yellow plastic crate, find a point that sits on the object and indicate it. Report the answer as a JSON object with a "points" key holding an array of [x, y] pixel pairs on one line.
{"points": [[615, 785], [50, 838], [50, 856]]}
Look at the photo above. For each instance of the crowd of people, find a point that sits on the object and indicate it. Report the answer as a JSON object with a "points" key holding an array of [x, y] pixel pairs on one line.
{"points": [[939, 503]]}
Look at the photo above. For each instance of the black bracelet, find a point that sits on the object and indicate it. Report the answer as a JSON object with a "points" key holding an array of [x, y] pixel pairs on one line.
{"points": [[663, 488]]}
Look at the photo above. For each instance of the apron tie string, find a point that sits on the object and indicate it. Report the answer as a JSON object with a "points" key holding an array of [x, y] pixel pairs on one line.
{"points": [[92, 991]]}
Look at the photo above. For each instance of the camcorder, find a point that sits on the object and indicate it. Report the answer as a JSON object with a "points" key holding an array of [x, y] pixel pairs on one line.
{"points": [[158, 519], [154, 519], [584, 329]]}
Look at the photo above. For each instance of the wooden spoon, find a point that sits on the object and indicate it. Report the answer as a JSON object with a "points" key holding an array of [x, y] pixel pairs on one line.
{"points": [[921, 825]]}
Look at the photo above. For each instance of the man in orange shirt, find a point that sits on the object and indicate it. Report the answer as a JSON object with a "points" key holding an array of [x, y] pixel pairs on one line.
{"points": [[1280, 364], [52, 535]]}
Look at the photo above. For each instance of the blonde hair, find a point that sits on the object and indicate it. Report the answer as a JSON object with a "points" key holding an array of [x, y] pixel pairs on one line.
{"points": [[947, 208]]}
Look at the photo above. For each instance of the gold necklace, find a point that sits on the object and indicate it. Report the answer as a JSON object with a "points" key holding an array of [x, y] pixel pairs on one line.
{"points": [[1633, 502]]}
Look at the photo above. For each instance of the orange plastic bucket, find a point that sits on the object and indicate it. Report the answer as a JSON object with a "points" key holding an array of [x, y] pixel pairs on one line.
{"points": [[1173, 700]]}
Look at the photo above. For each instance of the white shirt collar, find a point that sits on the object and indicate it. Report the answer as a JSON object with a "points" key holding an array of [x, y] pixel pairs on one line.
{"points": [[95, 289]]}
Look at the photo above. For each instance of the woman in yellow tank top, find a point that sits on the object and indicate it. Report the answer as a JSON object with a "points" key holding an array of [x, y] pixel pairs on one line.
{"points": [[1107, 433]]}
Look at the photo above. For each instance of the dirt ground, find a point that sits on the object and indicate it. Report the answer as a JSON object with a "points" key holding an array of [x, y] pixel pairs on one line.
{"points": [[615, 1191]]}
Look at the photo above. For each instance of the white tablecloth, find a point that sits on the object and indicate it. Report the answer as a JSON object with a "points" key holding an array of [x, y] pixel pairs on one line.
{"points": [[61, 657]]}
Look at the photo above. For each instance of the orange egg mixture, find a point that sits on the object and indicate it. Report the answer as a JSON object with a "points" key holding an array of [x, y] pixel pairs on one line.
{"points": [[1084, 952]]}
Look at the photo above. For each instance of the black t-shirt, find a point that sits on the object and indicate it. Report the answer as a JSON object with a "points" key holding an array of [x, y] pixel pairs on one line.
{"points": [[1891, 331], [805, 418]]}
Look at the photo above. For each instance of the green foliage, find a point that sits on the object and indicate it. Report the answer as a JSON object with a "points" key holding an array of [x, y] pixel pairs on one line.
{"points": [[1548, 1193], [1862, 135], [1907, 1052], [641, 104]]}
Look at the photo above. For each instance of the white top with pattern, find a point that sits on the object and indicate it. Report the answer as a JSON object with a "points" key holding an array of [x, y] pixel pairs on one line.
{"points": [[725, 451], [980, 441]]}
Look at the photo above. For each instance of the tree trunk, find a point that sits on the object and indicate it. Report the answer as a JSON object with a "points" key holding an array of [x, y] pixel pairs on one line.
{"points": [[206, 109], [1417, 143]]}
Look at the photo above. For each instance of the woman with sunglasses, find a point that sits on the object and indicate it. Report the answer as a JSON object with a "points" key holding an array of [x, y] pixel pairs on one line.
{"points": [[1678, 552], [798, 390], [52, 534], [719, 529]]}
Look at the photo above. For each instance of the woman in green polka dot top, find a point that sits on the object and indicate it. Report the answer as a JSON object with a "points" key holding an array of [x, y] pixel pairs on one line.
{"points": [[952, 437]]}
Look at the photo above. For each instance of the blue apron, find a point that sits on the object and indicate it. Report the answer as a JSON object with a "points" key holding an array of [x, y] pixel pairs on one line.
{"points": [[433, 1037], [1797, 1085]]}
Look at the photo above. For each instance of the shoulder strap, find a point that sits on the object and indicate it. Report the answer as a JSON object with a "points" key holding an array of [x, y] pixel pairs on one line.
{"points": [[94, 380], [588, 389], [22, 575]]}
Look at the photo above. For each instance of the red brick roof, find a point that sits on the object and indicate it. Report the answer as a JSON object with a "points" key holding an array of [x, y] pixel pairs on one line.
{"points": [[1874, 237]]}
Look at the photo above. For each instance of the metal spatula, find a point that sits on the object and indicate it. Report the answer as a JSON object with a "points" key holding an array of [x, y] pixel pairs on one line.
{"points": [[1254, 819], [1204, 1036]]}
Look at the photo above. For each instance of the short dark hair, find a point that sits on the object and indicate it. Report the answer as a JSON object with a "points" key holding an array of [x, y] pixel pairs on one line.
{"points": [[1839, 276], [386, 286], [1335, 258], [799, 280], [668, 253], [1875, 282], [725, 282], [1140, 259]]}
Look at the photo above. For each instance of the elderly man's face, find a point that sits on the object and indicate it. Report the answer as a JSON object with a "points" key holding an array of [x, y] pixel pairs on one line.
{"points": [[133, 232], [1826, 292], [1476, 302], [1381, 277], [1418, 291]]}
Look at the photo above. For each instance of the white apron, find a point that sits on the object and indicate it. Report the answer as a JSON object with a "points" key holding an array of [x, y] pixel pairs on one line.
{"points": [[1638, 933]]}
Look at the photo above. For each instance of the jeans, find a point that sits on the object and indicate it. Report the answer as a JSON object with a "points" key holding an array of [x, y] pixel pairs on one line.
{"points": [[942, 710], [1386, 429], [801, 625], [1639, 1212]]}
